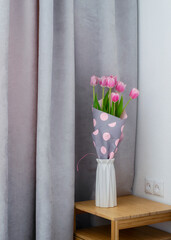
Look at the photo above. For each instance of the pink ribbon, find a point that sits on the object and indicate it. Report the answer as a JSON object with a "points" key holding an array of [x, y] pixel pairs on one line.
{"points": [[84, 157]]}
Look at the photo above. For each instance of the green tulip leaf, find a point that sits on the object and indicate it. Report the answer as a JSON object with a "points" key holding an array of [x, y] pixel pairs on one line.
{"points": [[106, 101], [119, 108], [104, 109], [112, 109], [96, 103]]}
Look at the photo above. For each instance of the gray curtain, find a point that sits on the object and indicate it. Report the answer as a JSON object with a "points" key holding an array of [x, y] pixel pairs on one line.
{"points": [[56, 122], [22, 108], [4, 30], [49, 50]]}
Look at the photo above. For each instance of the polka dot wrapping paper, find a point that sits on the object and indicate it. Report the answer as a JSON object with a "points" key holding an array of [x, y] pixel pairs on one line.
{"points": [[107, 133]]}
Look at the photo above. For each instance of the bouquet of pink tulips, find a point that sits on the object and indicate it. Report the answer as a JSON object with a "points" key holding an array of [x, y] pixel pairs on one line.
{"points": [[108, 119], [111, 102], [109, 114]]}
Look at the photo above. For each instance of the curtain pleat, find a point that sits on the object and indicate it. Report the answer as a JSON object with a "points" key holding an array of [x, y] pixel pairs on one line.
{"points": [[44, 196], [22, 111], [4, 35], [56, 124]]}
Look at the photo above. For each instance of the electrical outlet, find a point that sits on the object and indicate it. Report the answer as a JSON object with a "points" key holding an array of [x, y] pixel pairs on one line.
{"points": [[148, 185], [158, 188]]}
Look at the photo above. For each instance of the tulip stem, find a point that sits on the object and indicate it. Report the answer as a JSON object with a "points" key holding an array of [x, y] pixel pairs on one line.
{"points": [[114, 109], [93, 94], [109, 98], [127, 104], [102, 97]]}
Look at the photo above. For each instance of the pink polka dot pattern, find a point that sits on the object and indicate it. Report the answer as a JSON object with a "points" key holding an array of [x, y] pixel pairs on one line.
{"points": [[106, 136], [121, 137], [94, 143], [103, 150], [116, 150], [116, 142], [103, 116], [112, 124], [122, 128], [96, 132], [94, 122], [111, 155]]}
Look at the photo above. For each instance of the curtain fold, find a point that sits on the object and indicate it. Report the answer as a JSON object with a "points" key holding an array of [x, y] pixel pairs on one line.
{"points": [[4, 35], [44, 197], [22, 114], [56, 123]]}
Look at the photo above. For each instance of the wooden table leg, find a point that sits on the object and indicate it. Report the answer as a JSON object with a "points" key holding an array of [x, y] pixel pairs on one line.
{"points": [[74, 221], [114, 230]]}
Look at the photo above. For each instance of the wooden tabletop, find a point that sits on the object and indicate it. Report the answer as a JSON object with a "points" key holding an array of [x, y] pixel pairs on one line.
{"points": [[128, 207]]}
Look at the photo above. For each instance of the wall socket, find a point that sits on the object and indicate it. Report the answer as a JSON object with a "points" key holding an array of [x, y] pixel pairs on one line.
{"points": [[148, 185], [154, 187], [158, 188]]}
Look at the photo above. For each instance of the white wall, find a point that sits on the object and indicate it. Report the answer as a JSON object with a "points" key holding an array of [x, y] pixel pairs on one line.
{"points": [[153, 152]]}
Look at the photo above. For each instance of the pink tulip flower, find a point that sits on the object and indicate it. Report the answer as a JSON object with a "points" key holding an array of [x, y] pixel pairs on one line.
{"points": [[102, 81], [134, 93], [114, 97], [120, 87], [94, 81], [111, 81]]}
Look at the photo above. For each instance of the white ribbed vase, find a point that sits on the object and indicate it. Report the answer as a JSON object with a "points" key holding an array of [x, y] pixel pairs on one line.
{"points": [[106, 195]]}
